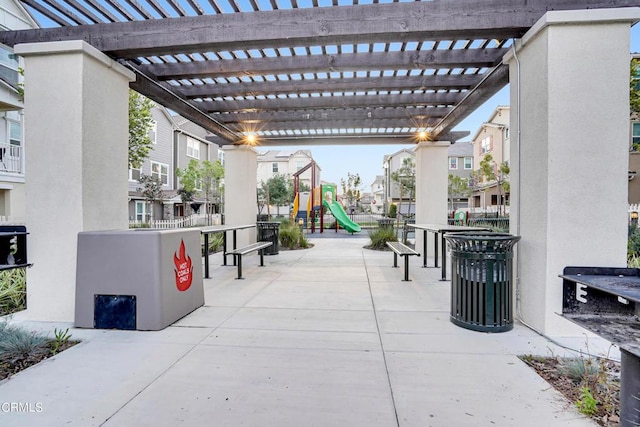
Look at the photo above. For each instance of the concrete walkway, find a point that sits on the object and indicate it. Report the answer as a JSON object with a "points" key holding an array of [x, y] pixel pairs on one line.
{"points": [[328, 336]]}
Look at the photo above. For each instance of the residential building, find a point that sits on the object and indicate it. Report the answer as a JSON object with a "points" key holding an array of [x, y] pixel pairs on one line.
{"points": [[460, 161], [377, 190], [461, 164], [12, 144], [274, 162], [392, 163], [175, 142], [491, 138]]}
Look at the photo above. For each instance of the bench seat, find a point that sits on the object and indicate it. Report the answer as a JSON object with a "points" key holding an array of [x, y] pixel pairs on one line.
{"points": [[237, 254], [400, 249]]}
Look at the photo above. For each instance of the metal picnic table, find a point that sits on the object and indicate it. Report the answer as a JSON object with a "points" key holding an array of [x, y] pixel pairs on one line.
{"points": [[440, 229], [206, 231]]}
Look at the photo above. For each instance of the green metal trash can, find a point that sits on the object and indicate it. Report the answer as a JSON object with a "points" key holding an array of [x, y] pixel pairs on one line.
{"points": [[481, 280], [269, 232]]}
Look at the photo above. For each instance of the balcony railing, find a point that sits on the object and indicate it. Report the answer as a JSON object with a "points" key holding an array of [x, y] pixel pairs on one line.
{"points": [[11, 158]]}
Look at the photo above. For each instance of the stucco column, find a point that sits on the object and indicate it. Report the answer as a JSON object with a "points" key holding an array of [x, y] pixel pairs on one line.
{"points": [[432, 176], [569, 153], [240, 199], [76, 128]]}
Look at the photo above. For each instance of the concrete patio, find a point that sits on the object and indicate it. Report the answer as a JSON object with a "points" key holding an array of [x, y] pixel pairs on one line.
{"points": [[328, 336]]}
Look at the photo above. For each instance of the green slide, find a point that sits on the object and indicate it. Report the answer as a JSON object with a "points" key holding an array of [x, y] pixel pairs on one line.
{"points": [[342, 217]]}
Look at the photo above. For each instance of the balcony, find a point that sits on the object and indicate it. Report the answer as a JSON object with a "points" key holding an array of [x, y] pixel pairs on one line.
{"points": [[11, 159]]}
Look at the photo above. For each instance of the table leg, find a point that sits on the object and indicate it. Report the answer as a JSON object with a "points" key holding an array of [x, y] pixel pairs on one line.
{"points": [[424, 248], [435, 248], [224, 248], [444, 259], [206, 255], [235, 246]]}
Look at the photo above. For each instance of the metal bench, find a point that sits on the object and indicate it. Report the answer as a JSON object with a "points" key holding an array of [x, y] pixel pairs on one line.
{"points": [[237, 254], [606, 301], [403, 251]]}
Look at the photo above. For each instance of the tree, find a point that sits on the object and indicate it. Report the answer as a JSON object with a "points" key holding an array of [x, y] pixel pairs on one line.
{"points": [[190, 178], [634, 87], [211, 173], [406, 179], [277, 191], [634, 95], [140, 123], [458, 187], [151, 191], [350, 188], [498, 173]]}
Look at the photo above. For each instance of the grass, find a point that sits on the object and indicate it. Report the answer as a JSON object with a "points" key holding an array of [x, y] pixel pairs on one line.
{"points": [[13, 291]]}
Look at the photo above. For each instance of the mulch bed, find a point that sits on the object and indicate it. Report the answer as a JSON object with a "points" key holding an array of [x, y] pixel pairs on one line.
{"points": [[608, 395], [13, 365]]}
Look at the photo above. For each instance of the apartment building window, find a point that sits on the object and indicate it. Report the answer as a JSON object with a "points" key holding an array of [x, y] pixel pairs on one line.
{"points": [[221, 157], [9, 65], [636, 136], [153, 132], [15, 133], [506, 133], [160, 171], [274, 168], [468, 163], [486, 145], [141, 211], [134, 174], [193, 148], [453, 163]]}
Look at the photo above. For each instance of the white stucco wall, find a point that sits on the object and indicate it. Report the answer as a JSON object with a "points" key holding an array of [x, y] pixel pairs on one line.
{"points": [[76, 110], [569, 188], [240, 200]]}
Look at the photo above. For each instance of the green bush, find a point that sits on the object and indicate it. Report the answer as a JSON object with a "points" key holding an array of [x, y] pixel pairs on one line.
{"points": [[393, 211], [380, 236], [633, 242], [292, 237], [13, 290]]}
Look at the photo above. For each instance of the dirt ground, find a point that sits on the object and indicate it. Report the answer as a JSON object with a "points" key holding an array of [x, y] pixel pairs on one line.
{"points": [[606, 384]]}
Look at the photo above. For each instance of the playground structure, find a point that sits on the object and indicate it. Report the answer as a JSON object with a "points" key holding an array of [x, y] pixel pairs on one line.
{"points": [[320, 198]]}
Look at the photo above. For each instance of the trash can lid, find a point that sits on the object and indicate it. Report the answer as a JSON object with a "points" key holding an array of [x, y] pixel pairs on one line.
{"points": [[481, 241]]}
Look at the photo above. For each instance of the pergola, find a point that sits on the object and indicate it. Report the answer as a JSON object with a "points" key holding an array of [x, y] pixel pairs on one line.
{"points": [[306, 71], [321, 72]]}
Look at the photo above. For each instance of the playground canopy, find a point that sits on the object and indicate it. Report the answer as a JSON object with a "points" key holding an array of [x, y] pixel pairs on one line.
{"points": [[314, 70]]}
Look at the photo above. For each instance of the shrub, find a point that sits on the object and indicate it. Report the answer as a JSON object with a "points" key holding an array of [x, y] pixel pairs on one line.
{"points": [[16, 342], [380, 236], [633, 242], [393, 211], [291, 237], [13, 290]]}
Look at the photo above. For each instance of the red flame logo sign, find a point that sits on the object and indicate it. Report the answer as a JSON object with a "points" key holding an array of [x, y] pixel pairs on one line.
{"points": [[184, 269]]}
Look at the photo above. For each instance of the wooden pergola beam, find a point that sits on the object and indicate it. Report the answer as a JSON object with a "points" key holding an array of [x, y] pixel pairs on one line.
{"points": [[400, 100], [356, 84], [395, 22], [320, 115], [400, 60]]}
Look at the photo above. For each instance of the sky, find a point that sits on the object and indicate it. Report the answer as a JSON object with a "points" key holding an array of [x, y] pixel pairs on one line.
{"points": [[336, 161]]}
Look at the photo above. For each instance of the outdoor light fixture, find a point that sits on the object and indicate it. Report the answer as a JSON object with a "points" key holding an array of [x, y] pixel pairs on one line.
{"points": [[423, 135], [251, 139]]}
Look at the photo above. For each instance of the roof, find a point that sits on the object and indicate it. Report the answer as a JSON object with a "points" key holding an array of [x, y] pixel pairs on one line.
{"points": [[281, 155], [461, 149]]}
